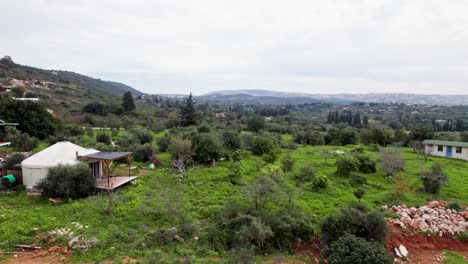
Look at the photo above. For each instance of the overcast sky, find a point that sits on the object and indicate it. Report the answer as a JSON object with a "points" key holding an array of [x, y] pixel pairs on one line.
{"points": [[174, 46]]}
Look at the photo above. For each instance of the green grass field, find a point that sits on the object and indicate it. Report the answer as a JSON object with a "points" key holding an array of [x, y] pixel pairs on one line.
{"points": [[159, 199]]}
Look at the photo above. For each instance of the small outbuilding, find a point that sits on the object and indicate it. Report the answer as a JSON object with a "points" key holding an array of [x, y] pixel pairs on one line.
{"points": [[450, 149], [36, 167]]}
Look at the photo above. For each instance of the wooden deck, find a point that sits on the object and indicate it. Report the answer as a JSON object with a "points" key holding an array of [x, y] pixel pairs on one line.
{"points": [[114, 182]]}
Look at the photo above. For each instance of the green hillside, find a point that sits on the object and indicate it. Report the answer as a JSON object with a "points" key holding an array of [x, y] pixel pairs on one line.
{"points": [[71, 91]]}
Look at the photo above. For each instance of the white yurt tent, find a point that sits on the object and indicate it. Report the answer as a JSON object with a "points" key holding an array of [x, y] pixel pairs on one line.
{"points": [[36, 167]]}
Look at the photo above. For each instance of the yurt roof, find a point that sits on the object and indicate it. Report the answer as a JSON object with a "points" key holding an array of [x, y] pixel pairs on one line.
{"points": [[63, 152]]}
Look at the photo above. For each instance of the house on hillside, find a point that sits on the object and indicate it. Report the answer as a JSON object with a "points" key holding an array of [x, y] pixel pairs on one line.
{"points": [[36, 167], [220, 115], [450, 149]]}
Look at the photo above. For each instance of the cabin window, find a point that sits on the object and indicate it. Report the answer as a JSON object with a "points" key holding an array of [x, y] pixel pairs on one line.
{"points": [[459, 150], [440, 148]]}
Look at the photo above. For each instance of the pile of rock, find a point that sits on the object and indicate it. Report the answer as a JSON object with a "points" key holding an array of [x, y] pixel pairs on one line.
{"points": [[431, 218]]}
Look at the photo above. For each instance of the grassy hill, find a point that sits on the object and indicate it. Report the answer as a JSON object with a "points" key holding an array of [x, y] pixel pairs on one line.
{"points": [[160, 200], [72, 91]]}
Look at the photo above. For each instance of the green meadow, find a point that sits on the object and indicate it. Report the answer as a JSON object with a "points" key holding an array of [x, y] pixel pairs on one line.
{"points": [[161, 200]]}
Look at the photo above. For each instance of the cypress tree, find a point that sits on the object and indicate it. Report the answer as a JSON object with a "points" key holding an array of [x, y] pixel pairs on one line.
{"points": [[188, 112], [127, 102]]}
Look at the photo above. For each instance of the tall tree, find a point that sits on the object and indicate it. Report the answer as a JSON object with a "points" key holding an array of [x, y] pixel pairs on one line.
{"points": [[357, 119], [365, 121], [127, 102], [188, 112]]}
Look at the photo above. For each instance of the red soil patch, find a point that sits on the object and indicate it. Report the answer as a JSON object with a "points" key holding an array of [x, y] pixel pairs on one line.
{"points": [[53, 255], [424, 248]]}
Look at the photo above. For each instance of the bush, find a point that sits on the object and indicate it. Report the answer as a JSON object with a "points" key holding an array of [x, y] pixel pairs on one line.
{"points": [[204, 129], [306, 174], [14, 160], [350, 249], [454, 206], [180, 148], [69, 181], [127, 140], [359, 193], [207, 147], [238, 227], [231, 140], [142, 152], [144, 136], [235, 173], [20, 141], [392, 161], [357, 180], [270, 157], [345, 165], [287, 164], [262, 145], [320, 182], [256, 124], [365, 164], [103, 138], [371, 226], [95, 108], [163, 143], [434, 180]]}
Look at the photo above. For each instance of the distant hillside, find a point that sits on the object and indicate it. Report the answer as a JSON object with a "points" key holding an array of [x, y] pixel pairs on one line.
{"points": [[70, 90], [251, 99], [422, 99]]}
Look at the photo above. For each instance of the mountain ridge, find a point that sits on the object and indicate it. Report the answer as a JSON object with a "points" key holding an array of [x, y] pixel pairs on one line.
{"points": [[407, 98]]}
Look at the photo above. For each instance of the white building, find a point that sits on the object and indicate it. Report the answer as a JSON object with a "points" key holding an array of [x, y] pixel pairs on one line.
{"points": [[450, 149]]}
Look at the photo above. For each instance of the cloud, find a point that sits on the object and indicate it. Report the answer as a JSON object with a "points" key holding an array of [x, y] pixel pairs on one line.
{"points": [[324, 46]]}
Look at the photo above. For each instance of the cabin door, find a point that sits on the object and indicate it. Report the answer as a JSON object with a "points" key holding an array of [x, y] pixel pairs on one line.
{"points": [[449, 151]]}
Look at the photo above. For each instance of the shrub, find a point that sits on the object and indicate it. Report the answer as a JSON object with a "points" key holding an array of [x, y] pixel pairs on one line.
{"points": [[255, 124], [262, 145], [365, 164], [231, 140], [14, 160], [350, 249], [180, 148], [163, 143], [239, 227], [287, 164], [454, 206], [207, 147], [371, 226], [235, 173], [357, 180], [103, 138], [288, 228], [270, 157], [95, 108], [69, 181], [142, 152], [320, 182], [127, 140], [434, 180], [359, 193], [345, 165], [20, 141], [306, 174], [144, 136], [392, 161], [203, 129], [273, 172]]}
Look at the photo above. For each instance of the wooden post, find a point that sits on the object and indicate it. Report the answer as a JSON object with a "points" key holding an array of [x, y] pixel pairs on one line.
{"points": [[129, 159]]}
